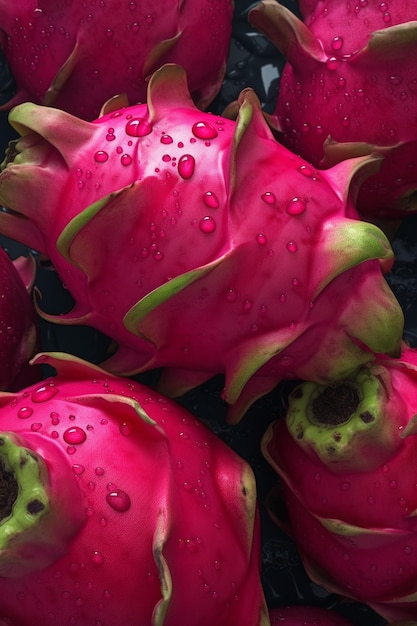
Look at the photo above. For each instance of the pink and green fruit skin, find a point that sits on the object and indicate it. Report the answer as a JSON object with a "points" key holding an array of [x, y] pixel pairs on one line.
{"points": [[75, 55], [348, 88], [345, 456], [305, 615], [200, 244], [120, 507], [18, 320]]}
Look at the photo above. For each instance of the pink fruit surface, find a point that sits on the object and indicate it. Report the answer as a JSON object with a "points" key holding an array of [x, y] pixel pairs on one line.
{"points": [[18, 324], [200, 244], [306, 616], [120, 507], [348, 88], [75, 55], [345, 456]]}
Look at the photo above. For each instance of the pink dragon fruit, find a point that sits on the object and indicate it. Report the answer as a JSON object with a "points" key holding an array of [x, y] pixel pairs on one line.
{"points": [[348, 88], [18, 323], [119, 507], [306, 616], [200, 244], [345, 455], [76, 55]]}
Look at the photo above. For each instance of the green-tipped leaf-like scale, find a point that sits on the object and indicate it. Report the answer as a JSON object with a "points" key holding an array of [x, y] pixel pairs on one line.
{"points": [[345, 457], [74, 56], [120, 507], [348, 88], [200, 244]]}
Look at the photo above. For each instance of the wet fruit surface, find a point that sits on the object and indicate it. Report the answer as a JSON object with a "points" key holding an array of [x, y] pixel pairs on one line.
{"points": [[252, 62]]}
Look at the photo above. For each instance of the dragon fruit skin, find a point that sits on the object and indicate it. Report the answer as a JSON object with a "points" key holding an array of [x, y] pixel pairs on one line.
{"points": [[305, 615], [348, 88], [345, 457], [155, 217], [139, 513], [18, 321], [76, 55]]}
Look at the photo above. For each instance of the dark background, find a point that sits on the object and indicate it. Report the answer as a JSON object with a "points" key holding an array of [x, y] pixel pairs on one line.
{"points": [[253, 62]]}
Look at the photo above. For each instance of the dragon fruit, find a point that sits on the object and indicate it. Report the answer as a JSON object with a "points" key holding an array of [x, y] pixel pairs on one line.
{"points": [[200, 244], [119, 507], [76, 55], [348, 88], [345, 455], [18, 322], [305, 615]]}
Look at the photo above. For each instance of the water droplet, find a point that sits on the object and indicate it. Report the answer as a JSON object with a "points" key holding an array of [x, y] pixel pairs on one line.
{"points": [[296, 206], [101, 156], [345, 121], [247, 305], [186, 166], [166, 139], [118, 500], [261, 239], [210, 200], [204, 130], [36, 426], [125, 429], [207, 224], [25, 412], [317, 477], [395, 79], [126, 159], [71, 450], [336, 43], [292, 246], [138, 127], [97, 558], [306, 170], [408, 549], [99, 471], [345, 486], [231, 295], [268, 197], [78, 469], [332, 63], [74, 435], [393, 484], [44, 393], [192, 545]]}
